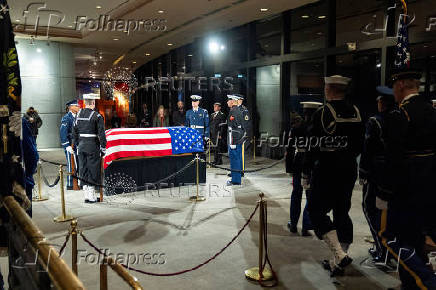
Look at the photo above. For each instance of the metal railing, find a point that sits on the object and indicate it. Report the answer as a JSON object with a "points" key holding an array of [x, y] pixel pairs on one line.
{"points": [[42, 265]]}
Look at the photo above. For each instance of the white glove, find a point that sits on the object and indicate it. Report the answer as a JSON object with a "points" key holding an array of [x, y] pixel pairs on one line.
{"points": [[380, 203], [103, 151], [19, 192], [233, 147], [15, 123], [70, 150]]}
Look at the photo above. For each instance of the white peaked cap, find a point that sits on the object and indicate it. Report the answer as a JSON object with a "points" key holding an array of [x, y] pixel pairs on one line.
{"points": [[337, 79]]}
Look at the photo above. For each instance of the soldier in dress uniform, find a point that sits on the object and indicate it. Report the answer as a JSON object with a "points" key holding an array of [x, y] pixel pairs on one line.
{"points": [[217, 134], [298, 133], [198, 118], [66, 136], [335, 139], [235, 139], [372, 166], [407, 197], [89, 135], [247, 127]]}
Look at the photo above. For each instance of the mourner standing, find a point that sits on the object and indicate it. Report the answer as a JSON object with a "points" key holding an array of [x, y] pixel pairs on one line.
{"points": [[179, 116], [198, 118], [89, 135], [217, 133], [66, 136], [298, 137], [372, 166], [407, 196], [235, 139], [145, 118], [34, 120], [335, 140]]}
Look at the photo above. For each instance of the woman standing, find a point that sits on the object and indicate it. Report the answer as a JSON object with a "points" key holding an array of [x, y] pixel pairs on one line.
{"points": [[161, 118]]}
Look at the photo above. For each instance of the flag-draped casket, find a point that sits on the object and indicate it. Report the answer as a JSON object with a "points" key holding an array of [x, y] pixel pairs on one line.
{"points": [[139, 156]]}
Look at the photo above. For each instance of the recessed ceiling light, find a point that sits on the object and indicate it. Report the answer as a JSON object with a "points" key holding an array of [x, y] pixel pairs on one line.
{"points": [[116, 39], [189, 54], [70, 26], [17, 20], [305, 16], [319, 33], [147, 54], [169, 44], [133, 61], [263, 9], [160, 11], [98, 7], [321, 16]]}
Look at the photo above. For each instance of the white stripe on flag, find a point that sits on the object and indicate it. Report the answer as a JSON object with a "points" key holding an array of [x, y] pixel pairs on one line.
{"points": [[138, 136], [149, 147]]}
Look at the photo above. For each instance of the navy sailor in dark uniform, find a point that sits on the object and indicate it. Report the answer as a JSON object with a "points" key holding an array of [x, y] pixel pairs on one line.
{"points": [[90, 137], [198, 118], [407, 196], [66, 136], [335, 140], [298, 135]]}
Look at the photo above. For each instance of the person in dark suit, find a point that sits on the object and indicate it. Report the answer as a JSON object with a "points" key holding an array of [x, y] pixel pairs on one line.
{"points": [[179, 116], [217, 133], [34, 120]]}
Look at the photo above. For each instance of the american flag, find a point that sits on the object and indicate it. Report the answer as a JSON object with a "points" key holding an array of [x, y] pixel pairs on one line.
{"points": [[402, 58], [133, 142]]}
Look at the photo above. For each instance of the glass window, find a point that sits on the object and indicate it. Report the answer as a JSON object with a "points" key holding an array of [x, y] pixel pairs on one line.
{"points": [[309, 27], [358, 21], [268, 36]]}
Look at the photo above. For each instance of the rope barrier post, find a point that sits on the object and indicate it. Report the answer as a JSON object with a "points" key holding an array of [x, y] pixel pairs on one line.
{"points": [[103, 274], [259, 273], [197, 197], [74, 246], [63, 217], [39, 197], [102, 179], [74, 172]]}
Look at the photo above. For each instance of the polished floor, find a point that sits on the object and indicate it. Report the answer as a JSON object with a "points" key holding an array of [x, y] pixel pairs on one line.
{"points": [[178, 234]]}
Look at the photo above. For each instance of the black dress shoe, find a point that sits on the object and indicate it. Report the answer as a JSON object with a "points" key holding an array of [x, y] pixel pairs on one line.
{"points": [[86, 200], [345, 262], [98, 199], [305, 233], [292, 228], [336, 271]]}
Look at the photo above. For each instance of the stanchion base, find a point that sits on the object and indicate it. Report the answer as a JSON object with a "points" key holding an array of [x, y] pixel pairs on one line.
{"points": [[197, 198], [253, 274], [36, 199], [61, 219]]}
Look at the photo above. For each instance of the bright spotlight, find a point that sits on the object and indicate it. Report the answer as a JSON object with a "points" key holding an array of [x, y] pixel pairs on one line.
{"points": [[213, 47], [222, 47]]}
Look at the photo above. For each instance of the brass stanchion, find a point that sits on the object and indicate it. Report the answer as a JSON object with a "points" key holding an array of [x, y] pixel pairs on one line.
{"points": [[101, 179], [197, 197], [39, 197], [260, 273], [63, 217], [103, 275], [74, 246]]}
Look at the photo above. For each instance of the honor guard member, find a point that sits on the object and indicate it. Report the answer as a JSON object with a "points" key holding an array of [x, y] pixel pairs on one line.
{"points": [[335, 139], [407, 196], [247, 127], [373, 164], [235, 139], [298, 133], [198, 118], [66, 136], [89, 135], [217, 134]]}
